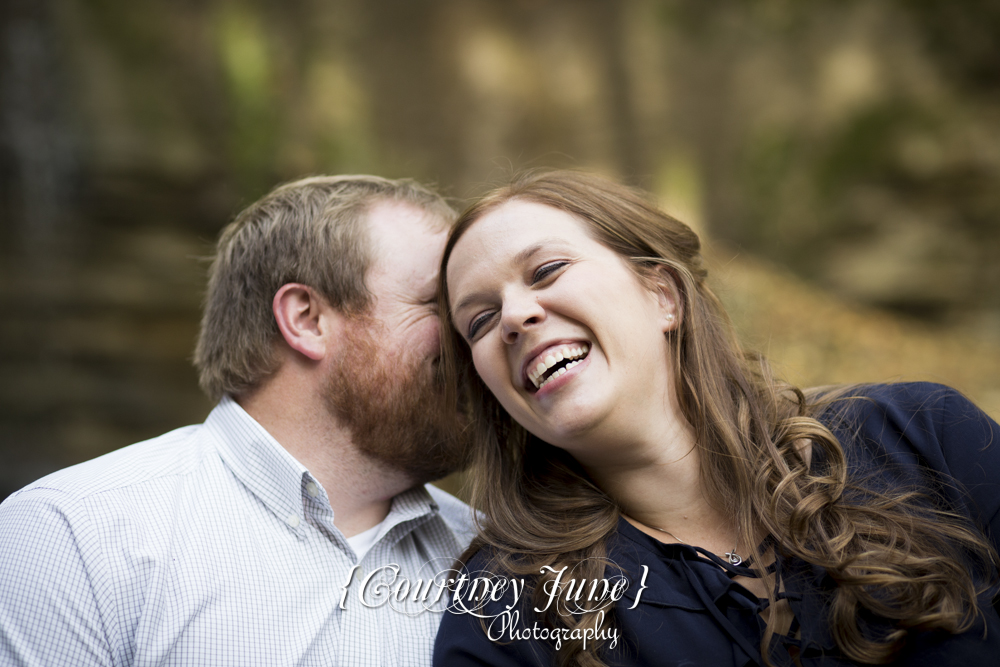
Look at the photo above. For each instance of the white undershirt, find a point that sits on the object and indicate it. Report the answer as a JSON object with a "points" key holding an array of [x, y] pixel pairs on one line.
{"points": [[362, 542]]}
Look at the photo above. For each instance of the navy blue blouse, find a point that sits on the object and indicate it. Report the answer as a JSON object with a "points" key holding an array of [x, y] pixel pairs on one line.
{"points": [[691, 612]]}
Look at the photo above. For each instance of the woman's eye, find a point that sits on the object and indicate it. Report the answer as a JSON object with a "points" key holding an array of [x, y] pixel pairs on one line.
{"points": [[546, 270], [477, 323]]}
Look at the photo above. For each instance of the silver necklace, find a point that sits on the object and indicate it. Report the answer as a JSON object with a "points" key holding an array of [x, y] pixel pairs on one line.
{"points": [[732, 557]]}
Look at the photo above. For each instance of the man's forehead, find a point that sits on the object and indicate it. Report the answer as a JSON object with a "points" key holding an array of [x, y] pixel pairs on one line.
{"points": [[407, 243], [389, 217]]}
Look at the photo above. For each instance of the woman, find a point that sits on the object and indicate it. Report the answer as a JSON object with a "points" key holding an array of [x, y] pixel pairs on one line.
{"points": [[622, 435]]}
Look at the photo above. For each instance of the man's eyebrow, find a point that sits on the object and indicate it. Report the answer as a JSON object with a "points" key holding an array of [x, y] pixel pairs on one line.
{"points": [[520, 258], [430, 287]]}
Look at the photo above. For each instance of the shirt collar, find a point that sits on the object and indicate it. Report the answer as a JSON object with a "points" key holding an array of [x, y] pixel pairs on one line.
{"points": [[279, 480], [259, 461], [409, 506]]}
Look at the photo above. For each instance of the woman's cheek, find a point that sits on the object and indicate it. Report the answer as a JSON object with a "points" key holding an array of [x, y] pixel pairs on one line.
{"points": [[496, 374], [484, 367]]}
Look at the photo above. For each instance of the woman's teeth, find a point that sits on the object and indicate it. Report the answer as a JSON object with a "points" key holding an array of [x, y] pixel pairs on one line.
{"points": [[542, 373]]}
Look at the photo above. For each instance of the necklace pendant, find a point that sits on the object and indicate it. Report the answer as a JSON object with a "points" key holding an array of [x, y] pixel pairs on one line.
{"points": [[733, 558]]}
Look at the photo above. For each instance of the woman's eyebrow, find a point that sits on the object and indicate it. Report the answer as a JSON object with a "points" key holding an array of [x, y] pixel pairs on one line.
{"points": [[467, 301], [520, 258], [532, 249]]}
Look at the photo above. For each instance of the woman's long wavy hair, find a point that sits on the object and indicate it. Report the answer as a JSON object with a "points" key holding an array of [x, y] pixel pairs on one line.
{"points": [[891, 553]]}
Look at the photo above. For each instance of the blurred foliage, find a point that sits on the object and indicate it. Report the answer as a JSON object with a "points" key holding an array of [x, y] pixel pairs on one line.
{"points": [[855, 145], [963, 38], [813, 338]]}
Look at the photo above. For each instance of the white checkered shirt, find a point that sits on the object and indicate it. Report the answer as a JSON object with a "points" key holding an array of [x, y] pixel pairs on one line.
{"points": [[212, 545]]}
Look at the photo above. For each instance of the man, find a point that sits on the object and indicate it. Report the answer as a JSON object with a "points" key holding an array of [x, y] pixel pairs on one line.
{"points": [[261, 536]]}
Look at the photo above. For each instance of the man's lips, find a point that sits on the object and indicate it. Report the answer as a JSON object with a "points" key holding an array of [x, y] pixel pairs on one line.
{"points": [[550, 360]]}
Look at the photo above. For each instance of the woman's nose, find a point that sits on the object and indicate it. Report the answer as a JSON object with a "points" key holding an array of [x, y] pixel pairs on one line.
{"points": [[518, 316]]}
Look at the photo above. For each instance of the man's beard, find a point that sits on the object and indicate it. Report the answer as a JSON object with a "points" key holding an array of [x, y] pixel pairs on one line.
{"points": [[393, 407]]}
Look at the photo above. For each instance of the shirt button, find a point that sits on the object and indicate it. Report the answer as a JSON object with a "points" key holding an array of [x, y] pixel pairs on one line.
{"points": [[312, 489], [293, 520]]}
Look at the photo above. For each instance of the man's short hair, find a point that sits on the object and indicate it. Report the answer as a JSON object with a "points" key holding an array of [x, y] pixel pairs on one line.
{"points": [[310, 231]]}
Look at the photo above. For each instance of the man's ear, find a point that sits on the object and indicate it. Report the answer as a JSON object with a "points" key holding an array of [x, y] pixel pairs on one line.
{"points": [[668, 294], [305, 320]]}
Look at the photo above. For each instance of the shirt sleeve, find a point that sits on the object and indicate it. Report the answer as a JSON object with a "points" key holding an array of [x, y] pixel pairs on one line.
{"points": [[49, 611], [935, 429], [969, 440]]}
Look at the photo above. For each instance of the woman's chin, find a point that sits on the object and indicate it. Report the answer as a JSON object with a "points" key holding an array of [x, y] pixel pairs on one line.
{"points": [[571, 428]]}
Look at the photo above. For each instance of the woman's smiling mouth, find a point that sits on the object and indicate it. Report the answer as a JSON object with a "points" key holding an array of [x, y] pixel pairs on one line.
{"points": [[553, 363]]}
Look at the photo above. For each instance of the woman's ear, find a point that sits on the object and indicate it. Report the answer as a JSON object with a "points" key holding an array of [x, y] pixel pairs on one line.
{"points": [[305, 320], [664, 286]]}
